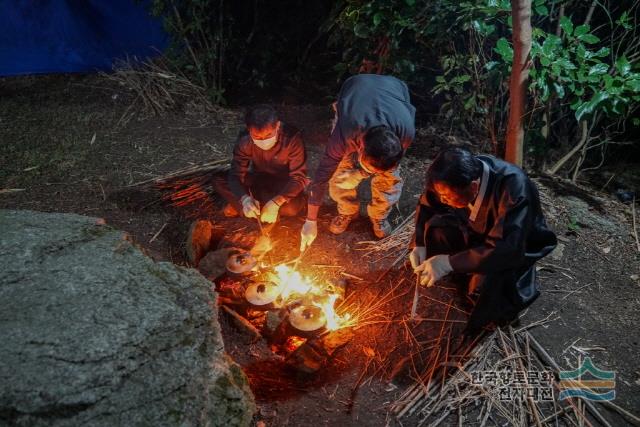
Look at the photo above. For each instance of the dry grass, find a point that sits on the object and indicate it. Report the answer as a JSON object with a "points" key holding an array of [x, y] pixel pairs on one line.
{"points": [[159, 88], [456, 392], [189, 190], [394, 247]]}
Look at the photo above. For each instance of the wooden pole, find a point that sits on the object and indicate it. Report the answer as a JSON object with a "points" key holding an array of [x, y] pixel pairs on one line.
{"points": [[416, 296], [521, 15]]}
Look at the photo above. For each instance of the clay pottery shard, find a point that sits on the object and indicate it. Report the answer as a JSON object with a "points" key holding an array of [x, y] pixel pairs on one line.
{"points": [[241, 263], [262, 295], [307, 320]]}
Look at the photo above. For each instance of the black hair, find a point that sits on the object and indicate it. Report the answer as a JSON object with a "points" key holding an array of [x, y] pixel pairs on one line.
{"points": [[382, 148], [455, 167], [261, 116]]}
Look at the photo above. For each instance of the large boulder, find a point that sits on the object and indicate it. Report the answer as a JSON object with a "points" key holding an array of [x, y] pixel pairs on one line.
{"points": [[93, 332]]}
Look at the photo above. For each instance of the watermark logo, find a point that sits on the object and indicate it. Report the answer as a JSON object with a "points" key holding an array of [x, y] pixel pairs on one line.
{"points": [[511, 385], [602, 387]]}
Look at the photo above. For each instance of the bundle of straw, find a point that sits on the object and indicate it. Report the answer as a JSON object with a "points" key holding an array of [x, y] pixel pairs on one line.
{"points": [[457, 392], [395, 246], [158, 87], [190, 186]]}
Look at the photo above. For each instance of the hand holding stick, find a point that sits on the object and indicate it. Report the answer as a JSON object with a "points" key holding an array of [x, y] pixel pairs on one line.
{"points": [[258, 217]]}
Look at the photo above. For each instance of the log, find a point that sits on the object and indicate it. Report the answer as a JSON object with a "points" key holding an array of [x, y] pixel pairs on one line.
{"points": [[311, 356], [242, 323]]}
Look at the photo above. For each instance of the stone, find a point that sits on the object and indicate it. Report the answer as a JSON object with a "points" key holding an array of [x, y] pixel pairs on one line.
{"points": [[199, 238], [214, 263], [558, 252], [95, 333], [272, 321]]}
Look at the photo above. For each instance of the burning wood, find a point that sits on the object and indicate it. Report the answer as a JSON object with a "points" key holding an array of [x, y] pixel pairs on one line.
{"points": [[301, 319]]}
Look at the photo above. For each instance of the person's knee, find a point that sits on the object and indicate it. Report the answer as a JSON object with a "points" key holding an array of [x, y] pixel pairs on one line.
{"points": [[444, 240], [388, 186], [294, 206], [290, 209], [220, 181]]}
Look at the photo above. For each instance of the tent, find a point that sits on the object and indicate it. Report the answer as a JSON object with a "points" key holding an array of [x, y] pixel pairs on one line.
{"points": [[59, 36]]}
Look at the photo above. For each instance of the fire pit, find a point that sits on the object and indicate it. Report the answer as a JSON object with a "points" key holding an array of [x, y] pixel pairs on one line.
{"points": [[297, 315]]}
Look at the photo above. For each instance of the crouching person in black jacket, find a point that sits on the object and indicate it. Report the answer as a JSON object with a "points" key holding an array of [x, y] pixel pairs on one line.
{"points": [[481, 216]]}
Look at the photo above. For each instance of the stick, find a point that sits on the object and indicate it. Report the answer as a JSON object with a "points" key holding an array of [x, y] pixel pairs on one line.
{"points": [[351, 276], [548, 359], [416, 296], [11, 190], [575, 290], [532, 406], [630, 417], [258, 218], [229, 301], [155, 236], [243, 323], [633, 215]]}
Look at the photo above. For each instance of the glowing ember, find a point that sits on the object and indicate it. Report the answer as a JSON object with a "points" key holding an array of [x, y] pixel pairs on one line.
{"points": [[293, 286], [293, 343]]}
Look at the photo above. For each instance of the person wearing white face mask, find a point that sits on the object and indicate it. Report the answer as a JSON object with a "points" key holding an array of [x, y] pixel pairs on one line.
{"points": [[268, 171]]}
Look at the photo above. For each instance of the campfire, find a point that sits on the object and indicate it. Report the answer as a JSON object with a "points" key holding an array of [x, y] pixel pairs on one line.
{"points": [[294, 289], [302, 317]]}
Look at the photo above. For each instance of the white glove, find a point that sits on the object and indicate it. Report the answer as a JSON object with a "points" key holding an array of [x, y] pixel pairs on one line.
{"points": [[270, 212], [417, 256], [250, 207], [308, 234], [433, 269]]}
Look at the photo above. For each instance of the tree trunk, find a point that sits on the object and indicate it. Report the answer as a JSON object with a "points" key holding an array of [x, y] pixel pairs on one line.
{"points": [[521, 14]]}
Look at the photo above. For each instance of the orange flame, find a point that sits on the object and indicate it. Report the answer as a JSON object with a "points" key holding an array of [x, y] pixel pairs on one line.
{"points": [[293, 284]]}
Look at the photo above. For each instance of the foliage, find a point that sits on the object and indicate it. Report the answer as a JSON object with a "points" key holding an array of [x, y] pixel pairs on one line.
{"points": [[454, 54], [254, 45], [197, 40], [589, 72]]}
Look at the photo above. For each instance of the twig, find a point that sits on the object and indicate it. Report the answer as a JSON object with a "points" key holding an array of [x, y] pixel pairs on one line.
{"points": [[630, 417], [210, 167], [416, 296], [351, 276], [538, 322], [548, 359], [635, 229], [575, 290], [11, 190], [155, 236], [243, 323]]}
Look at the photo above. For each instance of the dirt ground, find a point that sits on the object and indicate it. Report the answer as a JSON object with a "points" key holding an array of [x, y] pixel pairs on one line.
{"points": [[62, 149]]}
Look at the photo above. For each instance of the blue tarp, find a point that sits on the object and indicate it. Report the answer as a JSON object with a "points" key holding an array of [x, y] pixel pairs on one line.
{"points": [[57, 36]]}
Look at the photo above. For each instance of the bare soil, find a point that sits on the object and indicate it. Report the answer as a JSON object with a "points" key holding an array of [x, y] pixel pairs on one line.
{"points": [[63, 148]]}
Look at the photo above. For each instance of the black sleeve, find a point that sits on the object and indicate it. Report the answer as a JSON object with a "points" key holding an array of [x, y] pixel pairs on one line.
{"points": [[240, 167], [504, 246], [297, 168], [335, 151], [428, 206]]}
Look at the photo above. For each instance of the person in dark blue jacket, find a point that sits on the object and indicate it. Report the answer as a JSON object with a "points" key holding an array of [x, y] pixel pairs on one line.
{"points": [[373, 126]]}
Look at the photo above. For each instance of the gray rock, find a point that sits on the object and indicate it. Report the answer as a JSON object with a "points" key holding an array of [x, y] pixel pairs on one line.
{"points": [[558, 252], [93, 332]]}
